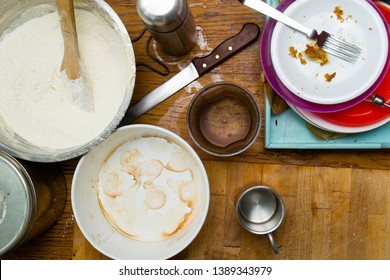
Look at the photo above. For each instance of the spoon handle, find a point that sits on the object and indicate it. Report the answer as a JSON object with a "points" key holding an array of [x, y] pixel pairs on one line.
{"points": [[377, 100], [71, 60]]}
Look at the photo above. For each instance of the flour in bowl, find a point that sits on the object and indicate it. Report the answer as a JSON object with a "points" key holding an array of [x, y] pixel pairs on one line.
{"points": [[37, 103]]}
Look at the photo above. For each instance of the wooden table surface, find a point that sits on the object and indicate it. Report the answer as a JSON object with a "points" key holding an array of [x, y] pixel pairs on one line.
{"points": [[337, 201]]}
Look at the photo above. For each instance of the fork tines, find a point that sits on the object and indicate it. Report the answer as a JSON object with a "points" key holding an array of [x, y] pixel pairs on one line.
{"points": [[341, 48]]}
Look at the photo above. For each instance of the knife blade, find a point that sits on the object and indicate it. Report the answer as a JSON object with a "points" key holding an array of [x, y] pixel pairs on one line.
{"points": [[197, 68]]}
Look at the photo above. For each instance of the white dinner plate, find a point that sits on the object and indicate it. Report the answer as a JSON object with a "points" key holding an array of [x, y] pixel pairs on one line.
{"points": [[362, 26], [324, 124]]}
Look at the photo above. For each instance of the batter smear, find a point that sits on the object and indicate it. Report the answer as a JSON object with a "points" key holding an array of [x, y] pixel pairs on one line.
{"points": [[149, 188]]}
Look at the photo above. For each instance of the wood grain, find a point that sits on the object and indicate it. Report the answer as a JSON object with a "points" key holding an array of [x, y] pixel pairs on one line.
{"points": [[337, 201], [331, 213]]}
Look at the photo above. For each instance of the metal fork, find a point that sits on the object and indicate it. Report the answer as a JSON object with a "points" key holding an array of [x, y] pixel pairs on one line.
{"points": [[325, 41]]}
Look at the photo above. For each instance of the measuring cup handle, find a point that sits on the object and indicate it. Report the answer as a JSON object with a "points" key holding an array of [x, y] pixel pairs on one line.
{"points": [[273, 243]]}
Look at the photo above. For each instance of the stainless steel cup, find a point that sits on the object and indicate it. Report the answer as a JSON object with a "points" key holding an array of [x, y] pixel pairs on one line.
{"points": [[260, 210], [171, 24]]}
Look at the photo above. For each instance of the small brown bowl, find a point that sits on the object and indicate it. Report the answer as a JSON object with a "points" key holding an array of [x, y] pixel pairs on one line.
{"points": [[224, 119]]}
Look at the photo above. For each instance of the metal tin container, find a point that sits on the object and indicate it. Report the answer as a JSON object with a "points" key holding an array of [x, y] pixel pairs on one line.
{"points": [[32, 199], [171, 24]]}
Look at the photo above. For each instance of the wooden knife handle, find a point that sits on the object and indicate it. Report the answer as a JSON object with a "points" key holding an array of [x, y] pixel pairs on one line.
{"points": [[248, 34]]}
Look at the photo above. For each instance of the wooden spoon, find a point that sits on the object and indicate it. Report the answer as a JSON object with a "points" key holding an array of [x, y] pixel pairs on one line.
{"points": [[71, 60]]}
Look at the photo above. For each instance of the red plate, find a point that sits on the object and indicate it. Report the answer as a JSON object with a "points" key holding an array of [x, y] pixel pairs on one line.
{"points": [[365, 112]]}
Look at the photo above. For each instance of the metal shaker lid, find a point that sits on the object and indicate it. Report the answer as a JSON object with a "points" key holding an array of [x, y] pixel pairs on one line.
{"points": [[17, 203], [162, 16]]}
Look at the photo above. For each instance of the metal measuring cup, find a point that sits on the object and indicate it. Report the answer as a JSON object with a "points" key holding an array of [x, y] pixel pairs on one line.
{"points": [[260, 210]]}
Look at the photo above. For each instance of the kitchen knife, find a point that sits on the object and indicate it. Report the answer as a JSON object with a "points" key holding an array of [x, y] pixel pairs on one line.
{"points": [[198, 67]]}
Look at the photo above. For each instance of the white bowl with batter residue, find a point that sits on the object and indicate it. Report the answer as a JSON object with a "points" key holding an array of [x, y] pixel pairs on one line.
{"points": [[143, 193]]}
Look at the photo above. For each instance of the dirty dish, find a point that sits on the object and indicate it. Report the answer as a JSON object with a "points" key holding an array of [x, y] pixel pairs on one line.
{"points": [[365, 113], [292, 97], [224, 119], [359, 23], [322, 123], [143, 193], [362, 114]]}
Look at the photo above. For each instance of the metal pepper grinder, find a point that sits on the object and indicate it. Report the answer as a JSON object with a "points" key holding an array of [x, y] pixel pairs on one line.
{"points": [[171, 24]]}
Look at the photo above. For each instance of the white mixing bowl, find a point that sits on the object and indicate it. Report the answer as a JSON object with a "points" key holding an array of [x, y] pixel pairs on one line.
{"points": [[12, 13], [87, 207]]}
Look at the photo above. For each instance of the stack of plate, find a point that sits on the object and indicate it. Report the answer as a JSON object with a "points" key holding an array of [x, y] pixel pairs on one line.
{"points": [[342, 104]]}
